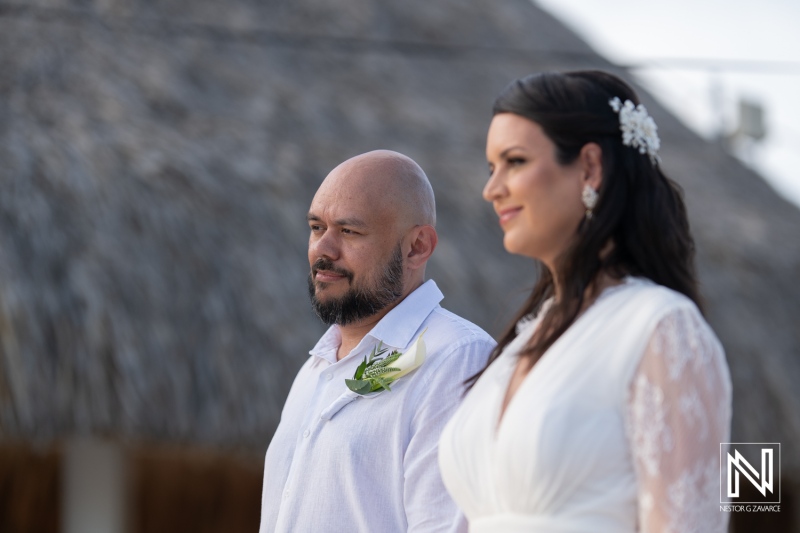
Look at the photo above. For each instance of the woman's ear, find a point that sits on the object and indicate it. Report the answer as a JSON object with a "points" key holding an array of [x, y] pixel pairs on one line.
{"points": [[423, 241], [591, 162]]}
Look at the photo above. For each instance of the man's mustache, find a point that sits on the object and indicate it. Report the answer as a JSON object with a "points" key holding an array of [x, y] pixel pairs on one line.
{"points": [[326, 264]]}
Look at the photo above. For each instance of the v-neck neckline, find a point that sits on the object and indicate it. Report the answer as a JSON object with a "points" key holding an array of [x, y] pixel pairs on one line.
{"points": [[500, 413]]}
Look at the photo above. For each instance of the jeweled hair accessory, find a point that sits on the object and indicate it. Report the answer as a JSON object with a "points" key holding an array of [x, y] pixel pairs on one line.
{"points": [[639, 130]]}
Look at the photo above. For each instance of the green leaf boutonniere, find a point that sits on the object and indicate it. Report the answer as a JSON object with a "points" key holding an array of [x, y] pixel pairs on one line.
{"points": [[378, 372]]}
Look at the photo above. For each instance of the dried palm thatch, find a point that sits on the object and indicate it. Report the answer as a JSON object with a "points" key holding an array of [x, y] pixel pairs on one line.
{"points": [[159, 158]]}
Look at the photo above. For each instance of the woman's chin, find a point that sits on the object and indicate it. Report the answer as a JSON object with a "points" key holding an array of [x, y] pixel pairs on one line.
{"points": [[523, 248], [513, 246]]}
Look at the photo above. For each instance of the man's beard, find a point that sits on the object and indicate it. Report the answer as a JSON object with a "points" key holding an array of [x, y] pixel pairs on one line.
{"points": [[358, 302]]}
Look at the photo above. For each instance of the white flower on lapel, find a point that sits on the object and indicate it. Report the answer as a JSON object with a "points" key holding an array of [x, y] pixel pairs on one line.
{"points": [[376, 372]]}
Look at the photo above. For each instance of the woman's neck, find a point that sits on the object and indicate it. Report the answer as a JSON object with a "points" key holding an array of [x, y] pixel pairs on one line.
{"points": [[601, 282]]}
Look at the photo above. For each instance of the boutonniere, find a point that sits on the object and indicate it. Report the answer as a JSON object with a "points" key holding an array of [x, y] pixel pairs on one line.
{"points": [[378, 372]]}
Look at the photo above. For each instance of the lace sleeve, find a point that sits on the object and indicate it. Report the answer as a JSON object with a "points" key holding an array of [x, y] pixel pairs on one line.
{"points": [[679, 412]]}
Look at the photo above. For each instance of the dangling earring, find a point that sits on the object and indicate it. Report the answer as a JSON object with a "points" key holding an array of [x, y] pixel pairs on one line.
{"points": [[589, 197]]}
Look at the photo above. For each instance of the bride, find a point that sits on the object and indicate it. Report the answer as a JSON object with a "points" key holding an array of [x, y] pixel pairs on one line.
{"points": [[605, 403]]}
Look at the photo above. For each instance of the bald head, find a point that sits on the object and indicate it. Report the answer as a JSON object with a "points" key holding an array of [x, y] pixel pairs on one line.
{"points": [[389, 181], [371, 234]]}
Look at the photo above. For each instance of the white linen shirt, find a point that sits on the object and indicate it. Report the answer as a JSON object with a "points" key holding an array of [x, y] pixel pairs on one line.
{"points": [[340, 462]]}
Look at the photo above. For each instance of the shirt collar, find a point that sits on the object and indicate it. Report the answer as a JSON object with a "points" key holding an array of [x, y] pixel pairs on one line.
{"points": [[396, 330], [328, 345]]}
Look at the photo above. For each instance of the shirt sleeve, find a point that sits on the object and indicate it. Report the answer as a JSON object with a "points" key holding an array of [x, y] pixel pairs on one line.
{"points": [[679, 412], [429, 507]]}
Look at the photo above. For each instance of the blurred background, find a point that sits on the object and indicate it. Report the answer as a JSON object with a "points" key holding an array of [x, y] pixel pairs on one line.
{"points": [[729, 69], [159, 156]]}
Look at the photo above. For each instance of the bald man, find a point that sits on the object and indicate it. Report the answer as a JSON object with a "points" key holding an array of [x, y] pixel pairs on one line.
{"points": [[344, 462]]}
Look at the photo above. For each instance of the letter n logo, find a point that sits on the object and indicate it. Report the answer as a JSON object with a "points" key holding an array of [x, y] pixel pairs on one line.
{"points": [[737, 464], [742, 460]]}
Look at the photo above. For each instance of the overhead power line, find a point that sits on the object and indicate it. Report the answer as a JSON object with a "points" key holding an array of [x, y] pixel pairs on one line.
{"points": [[718, 65]]}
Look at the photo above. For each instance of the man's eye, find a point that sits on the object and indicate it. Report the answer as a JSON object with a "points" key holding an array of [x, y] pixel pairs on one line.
{"points": [[348, 231], [315, 227], [515, 161]]}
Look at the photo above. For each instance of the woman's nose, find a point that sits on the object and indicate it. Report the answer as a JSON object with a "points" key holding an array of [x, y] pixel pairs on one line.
{"points": [[494, 188]]}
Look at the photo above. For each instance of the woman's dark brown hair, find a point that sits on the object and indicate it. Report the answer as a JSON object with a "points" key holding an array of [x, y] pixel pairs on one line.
{"points": [[639, 210]]}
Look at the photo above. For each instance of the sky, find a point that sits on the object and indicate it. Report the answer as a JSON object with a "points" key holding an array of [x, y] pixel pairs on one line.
{"points": [[739, 50]]}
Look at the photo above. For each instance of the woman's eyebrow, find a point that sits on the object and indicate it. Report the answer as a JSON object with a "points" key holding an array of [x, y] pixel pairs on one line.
{"points": [[505, 152]]}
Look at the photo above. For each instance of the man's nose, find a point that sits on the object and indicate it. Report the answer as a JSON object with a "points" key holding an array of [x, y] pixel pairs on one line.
{"points": [[325, 245]]}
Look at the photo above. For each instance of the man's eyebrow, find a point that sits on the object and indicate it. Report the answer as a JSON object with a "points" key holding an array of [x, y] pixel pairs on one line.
{"points": [[353, 222]]}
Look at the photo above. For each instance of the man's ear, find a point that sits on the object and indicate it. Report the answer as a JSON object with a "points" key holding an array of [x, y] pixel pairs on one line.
{"points": [[423, 240], [591, 163]]}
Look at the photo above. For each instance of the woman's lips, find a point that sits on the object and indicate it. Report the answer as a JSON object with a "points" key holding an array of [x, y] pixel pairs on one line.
{"points": [[507, 214], [327, 276]]}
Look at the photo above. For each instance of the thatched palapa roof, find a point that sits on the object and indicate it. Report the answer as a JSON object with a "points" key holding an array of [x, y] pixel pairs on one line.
{"points": [[159, 159]]}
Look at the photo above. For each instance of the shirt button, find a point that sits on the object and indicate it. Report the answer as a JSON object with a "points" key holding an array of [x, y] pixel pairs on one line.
{"points": [[329, 376], [285, 494], [306, 433]]}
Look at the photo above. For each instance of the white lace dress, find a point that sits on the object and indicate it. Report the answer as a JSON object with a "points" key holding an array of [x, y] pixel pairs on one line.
{"points": [[617, 428]]}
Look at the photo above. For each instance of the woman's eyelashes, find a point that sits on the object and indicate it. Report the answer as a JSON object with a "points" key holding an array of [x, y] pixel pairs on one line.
{"points": [[508, 161]]}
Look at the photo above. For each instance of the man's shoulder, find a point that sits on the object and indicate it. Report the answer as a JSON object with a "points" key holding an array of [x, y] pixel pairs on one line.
{"points": [[456, 349], [448, 331]]}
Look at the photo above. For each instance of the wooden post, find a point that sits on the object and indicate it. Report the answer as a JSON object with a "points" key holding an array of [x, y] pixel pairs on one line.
{"points": [[94, 494]]}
